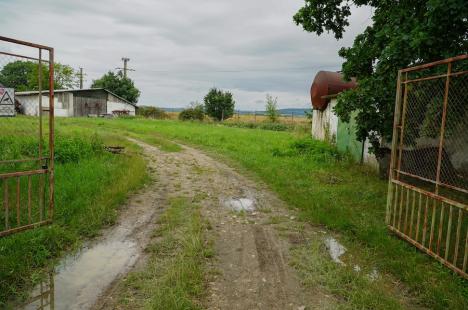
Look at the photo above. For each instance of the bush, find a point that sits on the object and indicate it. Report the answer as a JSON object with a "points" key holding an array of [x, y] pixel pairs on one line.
{"points": [[152, 112], [194, 113]]}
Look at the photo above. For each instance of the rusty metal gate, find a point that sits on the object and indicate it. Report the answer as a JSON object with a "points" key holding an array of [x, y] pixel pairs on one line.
{"points": [[26, 135], [427, 201]]}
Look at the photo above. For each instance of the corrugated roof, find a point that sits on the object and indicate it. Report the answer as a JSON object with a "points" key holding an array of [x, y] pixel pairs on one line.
{"points": [[34, 92]]}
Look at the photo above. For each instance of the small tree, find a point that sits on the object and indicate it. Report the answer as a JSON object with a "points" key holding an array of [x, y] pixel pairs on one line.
{"points": [[119, 85], [272, 108], [218, 104], [195, 112]]}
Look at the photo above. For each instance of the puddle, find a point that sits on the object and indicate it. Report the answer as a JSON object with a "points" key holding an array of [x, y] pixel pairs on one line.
{"points": [[80, 279], [335, 249], [240, 204]]}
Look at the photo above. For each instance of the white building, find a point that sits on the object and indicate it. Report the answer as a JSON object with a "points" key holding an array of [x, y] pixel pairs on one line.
{"points": [[76, 102]]}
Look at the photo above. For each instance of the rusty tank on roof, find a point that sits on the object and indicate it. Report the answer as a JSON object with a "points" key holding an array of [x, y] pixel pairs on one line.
{"points": [[327, 83]]}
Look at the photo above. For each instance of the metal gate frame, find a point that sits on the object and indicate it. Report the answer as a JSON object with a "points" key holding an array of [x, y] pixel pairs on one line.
{"points": [[45, 165], [411, 208]]}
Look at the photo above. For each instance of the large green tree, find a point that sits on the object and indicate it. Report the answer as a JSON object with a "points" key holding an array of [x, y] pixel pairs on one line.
{"points": [[24, 75], [219, 104], [119, 85], [403, 33]]}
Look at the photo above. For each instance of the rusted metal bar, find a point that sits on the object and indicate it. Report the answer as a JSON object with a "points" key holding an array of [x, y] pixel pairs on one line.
{"points": [[395, 200], [434, 77], [402, 128], [419, 217], [449, 234], [431, 236], [29, 198], [11, 40], [406, 211], [41, 197], [465, 259], [40, 102], [51, 135], [15, 161], [442, 127], [400, 212], [426, 210], [457, 236], [5, 204], [413, 206], [441, 226], [23, 228], [22, 173], [18, 221], [435, 63], [19, 56], [392, 199], [429, 252], [432, 181], [432, 195]]}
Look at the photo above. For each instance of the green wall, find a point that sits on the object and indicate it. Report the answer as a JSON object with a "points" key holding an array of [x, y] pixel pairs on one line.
{"points": [[346, 138]]}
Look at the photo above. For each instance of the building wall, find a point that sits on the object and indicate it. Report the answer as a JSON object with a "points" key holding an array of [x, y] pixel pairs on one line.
{"points": [[30, 104], [327, 126], [116, 104], [325, 123]]}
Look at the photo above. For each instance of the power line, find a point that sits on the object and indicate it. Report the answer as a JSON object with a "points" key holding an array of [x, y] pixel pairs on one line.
{"points": [[125, 67]]}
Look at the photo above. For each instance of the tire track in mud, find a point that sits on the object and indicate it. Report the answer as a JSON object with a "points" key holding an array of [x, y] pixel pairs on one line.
{"points": [[250, 269]]}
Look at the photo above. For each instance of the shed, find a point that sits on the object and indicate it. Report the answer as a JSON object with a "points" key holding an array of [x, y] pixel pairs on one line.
{"points": [[76, 102], [327, 126]]}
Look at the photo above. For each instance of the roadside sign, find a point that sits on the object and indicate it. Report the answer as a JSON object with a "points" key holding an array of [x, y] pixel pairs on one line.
{"points": [[7, 102]]}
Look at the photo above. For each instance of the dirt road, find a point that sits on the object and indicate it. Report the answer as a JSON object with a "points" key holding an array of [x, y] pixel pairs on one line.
{"points": [[251, 258]]}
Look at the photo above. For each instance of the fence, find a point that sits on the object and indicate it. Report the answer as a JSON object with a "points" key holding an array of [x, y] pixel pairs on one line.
{"points": [[26, 143], [428, 188]]}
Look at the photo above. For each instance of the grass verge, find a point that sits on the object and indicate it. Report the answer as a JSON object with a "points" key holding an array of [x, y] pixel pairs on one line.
{"points": [[174, 276], [90, 186]]}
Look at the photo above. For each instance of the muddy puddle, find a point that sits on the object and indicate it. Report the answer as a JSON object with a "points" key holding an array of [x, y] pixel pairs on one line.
{"points": [[80, 279]]}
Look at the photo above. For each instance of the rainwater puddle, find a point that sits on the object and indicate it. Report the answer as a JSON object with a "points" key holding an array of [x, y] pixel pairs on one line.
{"points": [[240, 204], [335, 249], [80, 279]]}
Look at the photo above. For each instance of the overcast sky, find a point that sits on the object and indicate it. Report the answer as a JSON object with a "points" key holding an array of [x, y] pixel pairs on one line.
{"points": [[181, 48]]}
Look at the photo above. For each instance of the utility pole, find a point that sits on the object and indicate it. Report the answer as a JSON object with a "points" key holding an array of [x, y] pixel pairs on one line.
{"points": [[81, 77], [125, 66]]}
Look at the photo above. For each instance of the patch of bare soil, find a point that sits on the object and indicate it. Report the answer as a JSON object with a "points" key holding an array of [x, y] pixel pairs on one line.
{"points": [[250, 269]]}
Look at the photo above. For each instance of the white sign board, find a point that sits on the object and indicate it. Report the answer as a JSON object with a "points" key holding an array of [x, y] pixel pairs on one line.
{"points": [[7, 102]]}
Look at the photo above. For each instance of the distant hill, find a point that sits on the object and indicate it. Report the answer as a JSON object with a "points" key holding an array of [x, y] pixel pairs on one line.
{"points": [[295, 111]]}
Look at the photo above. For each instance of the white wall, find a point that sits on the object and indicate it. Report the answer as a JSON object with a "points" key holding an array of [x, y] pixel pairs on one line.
{"points": [[30, 103], [118, 106], [325, 123]]}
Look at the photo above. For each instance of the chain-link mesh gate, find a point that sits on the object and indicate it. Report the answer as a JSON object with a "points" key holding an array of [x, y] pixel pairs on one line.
{"points": [[26, 135], [428, 190]]}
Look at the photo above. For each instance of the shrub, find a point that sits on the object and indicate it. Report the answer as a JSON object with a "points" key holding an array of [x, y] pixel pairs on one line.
{"points": [[152, 112], [194, 113], [272, 108]]}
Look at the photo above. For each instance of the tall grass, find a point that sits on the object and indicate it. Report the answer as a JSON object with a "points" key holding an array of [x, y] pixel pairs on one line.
{"points": [[90, 185]]}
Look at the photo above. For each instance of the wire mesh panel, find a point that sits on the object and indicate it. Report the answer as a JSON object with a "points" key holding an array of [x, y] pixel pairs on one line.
{"points": [[428, 188], [26, 135]]}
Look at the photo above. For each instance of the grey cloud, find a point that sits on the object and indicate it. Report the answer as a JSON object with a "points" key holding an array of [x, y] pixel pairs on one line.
{"points": [[181, 48]]}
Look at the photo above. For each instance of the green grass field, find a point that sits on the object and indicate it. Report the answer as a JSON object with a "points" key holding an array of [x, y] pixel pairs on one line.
{"points": [[311, 176]]}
